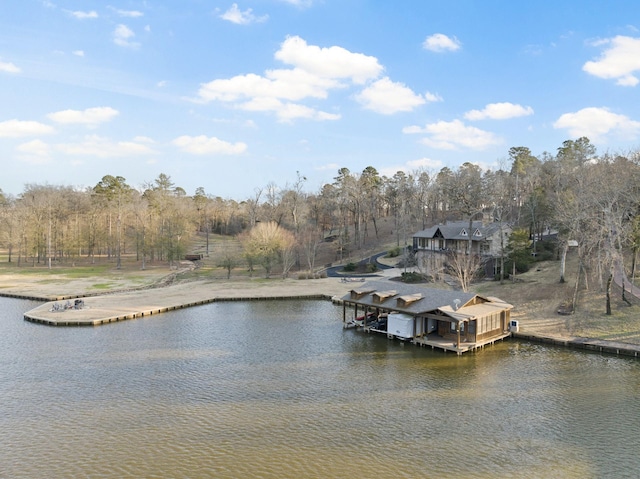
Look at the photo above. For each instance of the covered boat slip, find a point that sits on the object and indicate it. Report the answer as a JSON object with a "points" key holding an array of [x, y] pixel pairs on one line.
{"points": [[448, 320]]}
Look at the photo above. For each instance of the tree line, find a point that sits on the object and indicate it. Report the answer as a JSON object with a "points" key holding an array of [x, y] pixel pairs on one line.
{"points": [[590, 200]]}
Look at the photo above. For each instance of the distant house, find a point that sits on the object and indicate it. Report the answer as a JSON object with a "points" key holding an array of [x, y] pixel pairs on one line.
{"points": [[449, 320], [454, 236]]}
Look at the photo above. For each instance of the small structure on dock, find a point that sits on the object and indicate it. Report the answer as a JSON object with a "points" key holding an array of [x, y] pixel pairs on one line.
{"points": [[448, 320]]}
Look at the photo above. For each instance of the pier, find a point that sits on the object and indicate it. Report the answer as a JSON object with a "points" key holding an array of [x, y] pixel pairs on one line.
{"points": [[109, 308]]}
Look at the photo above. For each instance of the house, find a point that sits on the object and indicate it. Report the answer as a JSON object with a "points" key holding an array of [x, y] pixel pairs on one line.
{"points": [[487, 240], [448, 320]]}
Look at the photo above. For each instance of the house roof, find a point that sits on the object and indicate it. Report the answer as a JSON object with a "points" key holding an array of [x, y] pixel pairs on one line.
{"points": [[418, 300], [459, 230]]}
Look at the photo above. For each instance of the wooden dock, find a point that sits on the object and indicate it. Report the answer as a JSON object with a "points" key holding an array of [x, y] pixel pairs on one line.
{"points": [[447, 345], [111, 308], [435, 342]]}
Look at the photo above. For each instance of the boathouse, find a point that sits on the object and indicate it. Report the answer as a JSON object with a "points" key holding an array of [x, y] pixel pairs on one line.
{"points": [[448, 320]]}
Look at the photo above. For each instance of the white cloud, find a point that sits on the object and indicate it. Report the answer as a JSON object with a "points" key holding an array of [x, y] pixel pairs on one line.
{"points": [[101, 147], [9, 67], [454, 134], [78, 53], [299, 3], [84, 15], [439, 42], [203, 145], [34, 152], [256, 93], [293, 111], [387, 97], [619, 61], [143, 139], [34, 147], [90, 116], [315, 72], [19, 128], [128, 13], [426, 163], [432, 97], [596, 123], [285, 84], [333, 62], [235, 15], [499, 111], [123, 35]]}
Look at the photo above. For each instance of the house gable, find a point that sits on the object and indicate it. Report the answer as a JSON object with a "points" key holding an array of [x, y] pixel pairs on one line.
{"points": [[485, 238]]}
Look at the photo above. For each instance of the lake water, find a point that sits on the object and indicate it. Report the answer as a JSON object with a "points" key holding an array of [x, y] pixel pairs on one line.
{"points": [[277, 389]]}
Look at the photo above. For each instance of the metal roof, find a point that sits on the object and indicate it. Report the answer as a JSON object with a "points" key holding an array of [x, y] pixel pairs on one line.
{"points": [[389, 296], [419, 300]]}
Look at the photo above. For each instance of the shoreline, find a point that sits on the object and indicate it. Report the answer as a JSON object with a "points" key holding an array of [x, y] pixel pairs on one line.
{"points": [[144, 301]]}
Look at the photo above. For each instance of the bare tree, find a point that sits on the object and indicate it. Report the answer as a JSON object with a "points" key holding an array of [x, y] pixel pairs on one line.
{"points": [[309, 240], [464, 267]]}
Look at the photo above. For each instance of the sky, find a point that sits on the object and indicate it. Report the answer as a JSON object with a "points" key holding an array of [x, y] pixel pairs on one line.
{"points": [[234, 96]]}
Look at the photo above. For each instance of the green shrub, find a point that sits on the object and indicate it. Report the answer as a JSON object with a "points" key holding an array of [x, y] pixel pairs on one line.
{"points": [[394, 252], [371, 268], [545, 256], [349, 267], [412, 277], [522, 266], [307, 275]]}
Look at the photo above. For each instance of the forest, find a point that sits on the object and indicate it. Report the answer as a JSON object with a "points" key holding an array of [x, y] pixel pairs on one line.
{"points": [[589, 200]]}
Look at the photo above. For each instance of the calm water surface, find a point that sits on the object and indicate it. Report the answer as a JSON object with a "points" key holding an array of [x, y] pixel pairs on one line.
{"points": [[280, 390]]}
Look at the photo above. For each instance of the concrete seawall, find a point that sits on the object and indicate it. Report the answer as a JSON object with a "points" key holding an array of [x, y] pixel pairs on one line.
{"points": [[588, 344]]}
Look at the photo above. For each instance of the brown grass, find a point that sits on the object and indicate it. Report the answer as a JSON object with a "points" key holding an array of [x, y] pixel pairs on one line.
{"points": [[538, 295]]}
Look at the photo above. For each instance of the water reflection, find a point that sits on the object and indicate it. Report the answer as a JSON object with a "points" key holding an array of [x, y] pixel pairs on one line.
{"points": [[279, 389]]}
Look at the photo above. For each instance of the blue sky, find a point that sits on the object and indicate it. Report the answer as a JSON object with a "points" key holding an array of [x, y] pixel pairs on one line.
{"points": [[231, 96]]}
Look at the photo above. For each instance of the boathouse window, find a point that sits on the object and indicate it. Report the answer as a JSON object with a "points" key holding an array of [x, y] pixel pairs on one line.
{"points": [[494, 321], [453, 327]]}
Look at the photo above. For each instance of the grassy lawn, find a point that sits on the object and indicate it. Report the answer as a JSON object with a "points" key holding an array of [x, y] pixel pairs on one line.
{"points": [[538, 294]]}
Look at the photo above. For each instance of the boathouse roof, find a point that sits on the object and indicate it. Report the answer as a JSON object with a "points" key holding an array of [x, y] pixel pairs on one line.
{"points": [[418, 300]]}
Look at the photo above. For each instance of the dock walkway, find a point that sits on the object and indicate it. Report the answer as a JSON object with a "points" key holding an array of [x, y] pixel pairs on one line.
{"points": [[114, 307]]}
